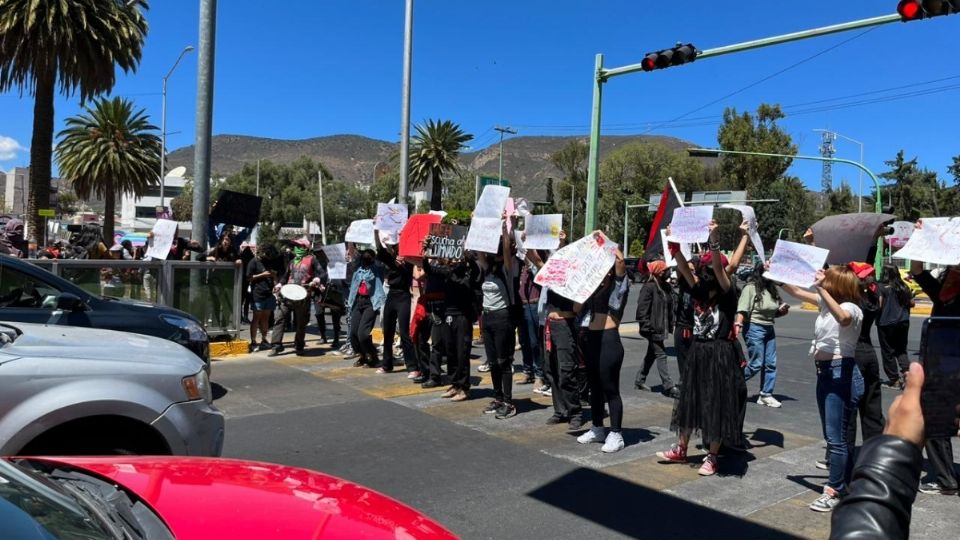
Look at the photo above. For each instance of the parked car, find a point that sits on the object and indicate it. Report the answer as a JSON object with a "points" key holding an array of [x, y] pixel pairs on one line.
{"points": [[191, 498], [83, 391], [31, 294]]}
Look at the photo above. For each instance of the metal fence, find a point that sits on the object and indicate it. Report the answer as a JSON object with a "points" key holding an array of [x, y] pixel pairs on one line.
{"points": [[209, 291]]}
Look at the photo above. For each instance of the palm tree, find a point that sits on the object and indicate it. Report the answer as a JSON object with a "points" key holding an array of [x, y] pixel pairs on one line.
{"points": [[107, 151], [436, 150], [71, 46]]}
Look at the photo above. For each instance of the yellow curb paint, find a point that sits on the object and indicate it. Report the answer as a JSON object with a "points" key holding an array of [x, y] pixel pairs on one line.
{"points": [[401, 390], [220, 349], [309, 360]]}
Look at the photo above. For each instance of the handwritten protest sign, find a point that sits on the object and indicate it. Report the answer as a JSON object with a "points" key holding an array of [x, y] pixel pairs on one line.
{"points": [[235, 208], [485, 234], [414, 231], [543, 231], [577, 269], [336, 261], [938, 242], [753, 230], [164, 233], [360, 232], [691, 224], [795, 264], [446, 241], [902, 231], [492, 202], [390, 217]]}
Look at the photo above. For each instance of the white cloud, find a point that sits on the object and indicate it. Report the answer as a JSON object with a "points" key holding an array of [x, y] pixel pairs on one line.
{"points": [[9, 148]]}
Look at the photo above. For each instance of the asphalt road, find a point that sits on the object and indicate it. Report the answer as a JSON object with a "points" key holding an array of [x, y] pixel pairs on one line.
{"points": [[487, 478]]}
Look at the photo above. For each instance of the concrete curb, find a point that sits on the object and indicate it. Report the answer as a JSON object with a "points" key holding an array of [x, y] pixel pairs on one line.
{"points": [[922, 310]]}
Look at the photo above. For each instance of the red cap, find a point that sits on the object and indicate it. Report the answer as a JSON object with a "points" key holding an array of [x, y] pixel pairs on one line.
{"points": [[707, 259], [862, 270]]}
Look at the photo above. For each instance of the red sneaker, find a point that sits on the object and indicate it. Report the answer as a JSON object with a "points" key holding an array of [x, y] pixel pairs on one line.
{"points": [[676, 454], [709, 467]]}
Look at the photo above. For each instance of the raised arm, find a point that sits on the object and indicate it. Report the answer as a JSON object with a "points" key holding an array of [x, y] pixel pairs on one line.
{"points": [[716, 263], [741, 248], [683, 267], [800, 294], [841, 315], [508, 254]]}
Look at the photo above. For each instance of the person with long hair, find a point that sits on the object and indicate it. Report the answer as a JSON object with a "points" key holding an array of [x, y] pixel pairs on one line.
{"points": [[839, 382], [944, 292], [398, 277], [603, 354], [870, 407], [713, 389], [364, 303], [759, 306], [498, 329], [893, 326], [262, 274], [655, 316]]}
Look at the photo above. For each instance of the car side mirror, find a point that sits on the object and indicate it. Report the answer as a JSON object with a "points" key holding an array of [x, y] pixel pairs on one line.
{"points": [[69, 302]]}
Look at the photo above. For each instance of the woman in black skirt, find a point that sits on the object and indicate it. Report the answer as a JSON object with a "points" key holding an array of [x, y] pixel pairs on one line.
{"points": [[713, 379]]}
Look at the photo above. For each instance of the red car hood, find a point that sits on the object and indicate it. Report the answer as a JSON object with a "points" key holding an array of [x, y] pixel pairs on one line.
{"points": [[214, 499]]}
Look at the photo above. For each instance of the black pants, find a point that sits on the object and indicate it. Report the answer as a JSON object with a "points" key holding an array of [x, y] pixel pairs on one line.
{"points": [[893, 347], [604, 355], [438, 347], [870, 407], [940, 454], [682, 338], [422, 345], [362, 319], [396, 311], [655, 353], [498, 342], [286, 310], [336, 313], [458, 339], [562, 366]]}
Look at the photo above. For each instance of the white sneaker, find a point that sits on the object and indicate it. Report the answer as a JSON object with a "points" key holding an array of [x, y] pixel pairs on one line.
{"points": [[594, 435], [769, 401], [614, 443]]}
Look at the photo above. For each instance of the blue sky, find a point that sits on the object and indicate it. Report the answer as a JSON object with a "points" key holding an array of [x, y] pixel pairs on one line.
{"points": [[306, 68]]}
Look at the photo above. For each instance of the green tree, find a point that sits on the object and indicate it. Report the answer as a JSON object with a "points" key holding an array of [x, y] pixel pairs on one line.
{"points": [[754, 133], [551, 207], [435, 152], [571, 160], [842, 201], [67, 202], [182, 204], [72, 46], [912, 192], [109, 150]]}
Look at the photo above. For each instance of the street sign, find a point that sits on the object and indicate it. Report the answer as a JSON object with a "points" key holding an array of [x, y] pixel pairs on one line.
{"points": [[46, 212], [493, 181]]}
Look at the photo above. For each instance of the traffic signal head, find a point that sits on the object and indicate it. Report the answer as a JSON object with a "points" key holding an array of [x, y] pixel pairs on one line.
{"points": [[913, 10], [681, 54]]}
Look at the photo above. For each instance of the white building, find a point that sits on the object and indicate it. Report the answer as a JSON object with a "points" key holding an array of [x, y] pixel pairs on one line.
{"points": [[138, 214], [15, 191]]}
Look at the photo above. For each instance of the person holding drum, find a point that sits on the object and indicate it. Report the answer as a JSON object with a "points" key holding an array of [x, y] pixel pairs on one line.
{"points": [[364, 303], [303, 272]]}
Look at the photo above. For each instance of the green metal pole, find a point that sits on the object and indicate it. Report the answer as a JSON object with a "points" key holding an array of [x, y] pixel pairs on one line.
{"points": [[878, 261], [593, 165]]}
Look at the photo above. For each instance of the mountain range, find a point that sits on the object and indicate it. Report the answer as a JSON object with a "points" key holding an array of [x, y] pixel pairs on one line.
{"points": [[526, 159]]}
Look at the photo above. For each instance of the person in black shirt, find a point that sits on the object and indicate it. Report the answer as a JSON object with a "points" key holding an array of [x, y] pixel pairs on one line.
{"points": [[396, 311], [654, 314], [331, 297], [893, 325], [262, 279]]}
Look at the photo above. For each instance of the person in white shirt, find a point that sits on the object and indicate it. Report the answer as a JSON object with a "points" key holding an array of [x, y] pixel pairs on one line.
{"points": [[839, 381]]}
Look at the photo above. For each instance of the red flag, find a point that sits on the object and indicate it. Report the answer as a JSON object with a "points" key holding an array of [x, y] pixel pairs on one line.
{"points": [[668, 202]]}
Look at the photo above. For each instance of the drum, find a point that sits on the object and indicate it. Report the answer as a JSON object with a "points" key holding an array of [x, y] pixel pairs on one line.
{"points": [[293, 292]]}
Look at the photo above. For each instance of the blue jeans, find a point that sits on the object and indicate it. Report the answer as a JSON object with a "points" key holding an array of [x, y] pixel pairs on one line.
{"points": [[761, 343], [839, 388], [530, 341]]}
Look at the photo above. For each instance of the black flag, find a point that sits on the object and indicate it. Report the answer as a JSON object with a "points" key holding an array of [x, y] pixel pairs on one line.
{"points": [[669, 201]]}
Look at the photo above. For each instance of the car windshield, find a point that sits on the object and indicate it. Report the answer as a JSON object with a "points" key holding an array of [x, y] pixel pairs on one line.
{"points": [[31, 507]]}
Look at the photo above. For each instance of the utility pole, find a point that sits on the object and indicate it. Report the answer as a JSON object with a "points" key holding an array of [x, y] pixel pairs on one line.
{"points": [[405, 108], [201, 158], [163, 124], [503, 130], [258, 178], [323, 222]]}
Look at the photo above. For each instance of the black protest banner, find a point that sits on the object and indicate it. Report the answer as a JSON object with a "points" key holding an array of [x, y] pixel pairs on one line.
{"points": [[237, 209], [446, 241]]}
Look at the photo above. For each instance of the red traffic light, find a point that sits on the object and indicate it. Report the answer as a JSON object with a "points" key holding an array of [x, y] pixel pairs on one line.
{"points": [[649, 63], [681, 54], [909, 10]]}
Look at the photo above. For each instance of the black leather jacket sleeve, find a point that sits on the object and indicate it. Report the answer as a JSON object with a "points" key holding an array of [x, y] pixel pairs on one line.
{"points": [[882, 492]]}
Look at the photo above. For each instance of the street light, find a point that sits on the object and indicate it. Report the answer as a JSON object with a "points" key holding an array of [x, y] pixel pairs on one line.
{"points": [[860, 173], [716, 152], [163, 124]]}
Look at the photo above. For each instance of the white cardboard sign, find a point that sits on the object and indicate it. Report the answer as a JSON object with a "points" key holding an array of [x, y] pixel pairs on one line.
{"points": [[390, 217], [485, 234], [796, 264], [691, 224], [938, 242], [577, 269], [492, 202], [751, 218], [360, 232], [336, 261], [164, 233], [543, 231]]}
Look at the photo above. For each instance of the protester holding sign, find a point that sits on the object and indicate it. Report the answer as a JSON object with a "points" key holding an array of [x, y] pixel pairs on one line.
{"points": [[331, 298], [757, 311], [396, 310], [839, 382], [870, 407], [499, 331], [603, 354], [364, 302], [893, 326], [713, 389]]}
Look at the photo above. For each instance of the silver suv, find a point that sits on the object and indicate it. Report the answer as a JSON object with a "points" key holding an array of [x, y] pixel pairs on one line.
{"points": [[83, 391]]}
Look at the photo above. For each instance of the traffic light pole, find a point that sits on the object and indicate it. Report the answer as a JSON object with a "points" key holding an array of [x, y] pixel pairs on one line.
{"points": [[601, 76], [876, 181]]}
